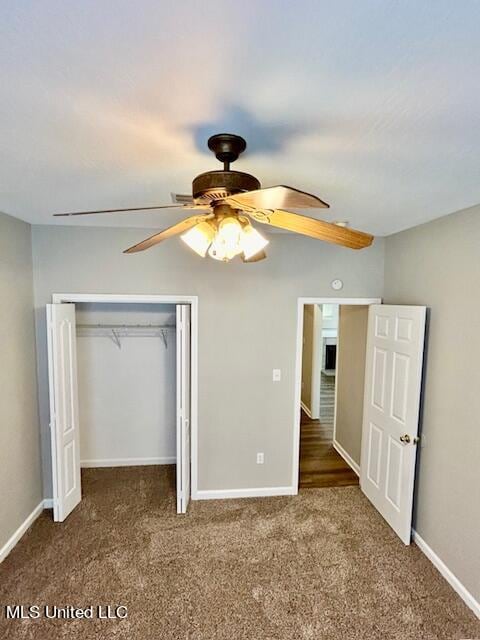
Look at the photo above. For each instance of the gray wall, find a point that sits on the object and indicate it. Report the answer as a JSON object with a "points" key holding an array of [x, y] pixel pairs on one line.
{"points": [[20, 463], [438, 265], [247, 327], [352, 344]]}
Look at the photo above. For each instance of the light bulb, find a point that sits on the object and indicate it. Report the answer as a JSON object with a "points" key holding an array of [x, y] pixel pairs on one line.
{"points": [[199, 238], [252, 242]]}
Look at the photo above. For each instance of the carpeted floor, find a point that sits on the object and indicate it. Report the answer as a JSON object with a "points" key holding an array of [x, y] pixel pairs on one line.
{"points": [[322, 565]]}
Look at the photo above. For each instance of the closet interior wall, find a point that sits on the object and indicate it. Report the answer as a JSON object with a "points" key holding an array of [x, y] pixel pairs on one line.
{"points": [[127, 384]]}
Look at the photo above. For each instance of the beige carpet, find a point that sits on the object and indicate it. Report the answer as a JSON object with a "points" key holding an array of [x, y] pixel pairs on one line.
{"points": [[322, 565]]}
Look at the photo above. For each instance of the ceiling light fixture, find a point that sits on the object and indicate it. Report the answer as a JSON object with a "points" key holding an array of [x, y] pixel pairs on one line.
{"points": [[225, 239]]}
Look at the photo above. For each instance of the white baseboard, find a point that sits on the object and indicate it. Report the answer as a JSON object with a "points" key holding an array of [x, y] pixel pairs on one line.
{"points": [[221, 494], [348, 459], [452, 579], [48, 503], [15, 537], [127, 462], [306, 409]]}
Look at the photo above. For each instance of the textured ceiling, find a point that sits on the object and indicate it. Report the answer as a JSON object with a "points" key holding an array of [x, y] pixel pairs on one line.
{"points": [[373, 105]]}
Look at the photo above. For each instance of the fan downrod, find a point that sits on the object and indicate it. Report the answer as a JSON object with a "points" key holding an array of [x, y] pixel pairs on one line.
{"points": [[226, 147]]}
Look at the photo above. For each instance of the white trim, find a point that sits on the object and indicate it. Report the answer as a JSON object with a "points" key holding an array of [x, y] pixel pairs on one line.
{"points": [[298, 369], [159, 299], [16, 535], [48, 503], [348, 459], [450, 577], [335, 391], [305, 408], [129, 298], [221, 494], [127, 462], [354, 301]]}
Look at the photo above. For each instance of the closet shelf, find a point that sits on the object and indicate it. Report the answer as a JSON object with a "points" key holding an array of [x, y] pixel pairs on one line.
{"points": [[117, 331]]}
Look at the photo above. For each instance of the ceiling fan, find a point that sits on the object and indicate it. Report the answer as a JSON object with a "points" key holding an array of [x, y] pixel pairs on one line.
{"points": [[224, 203]]}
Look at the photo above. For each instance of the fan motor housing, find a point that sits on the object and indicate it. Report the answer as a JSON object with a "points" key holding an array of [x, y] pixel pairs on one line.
{"points": [[216, 185]]}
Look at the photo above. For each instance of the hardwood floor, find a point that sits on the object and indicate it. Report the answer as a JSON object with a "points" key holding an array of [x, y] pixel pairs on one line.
{"points": [[320, 464]]}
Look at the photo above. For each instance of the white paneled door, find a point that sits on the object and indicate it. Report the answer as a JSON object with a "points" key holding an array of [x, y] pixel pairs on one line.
{"points": [[183, 407], [393, 378], [62, 361]]}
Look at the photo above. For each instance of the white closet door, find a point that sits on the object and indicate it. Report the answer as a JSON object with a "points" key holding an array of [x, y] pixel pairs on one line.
{"points": [[393, 377], [62, 364], [183, 407]]}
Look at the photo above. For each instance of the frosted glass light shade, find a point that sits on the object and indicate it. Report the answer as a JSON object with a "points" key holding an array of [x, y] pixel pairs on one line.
{"points": [[199, 238], [252, 242], [229, 236], [227, 242]]}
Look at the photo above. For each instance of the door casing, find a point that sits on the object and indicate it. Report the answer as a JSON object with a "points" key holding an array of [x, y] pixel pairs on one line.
{"points": [[58, 298], [301, 302]]}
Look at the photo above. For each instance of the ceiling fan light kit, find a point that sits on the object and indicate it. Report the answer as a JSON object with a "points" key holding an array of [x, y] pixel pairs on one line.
{"points": [[226, 200], [224, 238]]}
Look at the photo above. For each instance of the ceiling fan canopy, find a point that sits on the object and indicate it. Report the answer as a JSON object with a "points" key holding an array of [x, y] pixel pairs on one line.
{"points": [[214, 186], [226, 201]]}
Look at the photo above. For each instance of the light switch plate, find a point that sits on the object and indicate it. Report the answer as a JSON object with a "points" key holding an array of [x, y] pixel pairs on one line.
{"points": [[277, 375], [260, 457]]}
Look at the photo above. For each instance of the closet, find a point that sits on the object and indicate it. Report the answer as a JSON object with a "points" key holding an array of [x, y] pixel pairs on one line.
{"points": [[120, 391]]}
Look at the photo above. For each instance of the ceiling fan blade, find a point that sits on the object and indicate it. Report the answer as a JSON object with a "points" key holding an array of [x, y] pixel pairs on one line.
{"points": [[261, 255], [313, 228], [276, 198], [180, 227], [129, 209]]}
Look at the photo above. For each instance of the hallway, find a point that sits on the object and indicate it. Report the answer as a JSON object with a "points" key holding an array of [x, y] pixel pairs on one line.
{"points": [[320, 464]]}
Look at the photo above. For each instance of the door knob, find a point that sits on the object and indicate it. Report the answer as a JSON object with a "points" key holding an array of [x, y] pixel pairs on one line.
{"points": [[405, 438]]}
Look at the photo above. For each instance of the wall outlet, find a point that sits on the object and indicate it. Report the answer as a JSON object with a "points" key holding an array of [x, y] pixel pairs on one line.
{"points": [[276, 375], [260, 458]]}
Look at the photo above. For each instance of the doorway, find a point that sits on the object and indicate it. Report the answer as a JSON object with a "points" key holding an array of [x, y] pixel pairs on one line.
{"points": [[331, 394], [390, 394], [139, 400]]}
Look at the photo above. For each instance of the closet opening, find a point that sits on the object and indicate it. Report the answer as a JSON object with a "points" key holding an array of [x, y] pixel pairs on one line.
{"points": [[126, 368], [122, 379]]}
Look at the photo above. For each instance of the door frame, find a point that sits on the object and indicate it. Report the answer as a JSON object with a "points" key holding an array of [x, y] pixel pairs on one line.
{"points": [[301, 302], [58, 298]]}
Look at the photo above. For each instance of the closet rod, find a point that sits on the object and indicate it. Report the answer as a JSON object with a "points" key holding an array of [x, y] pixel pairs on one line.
{"points": [[125, 326]]}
